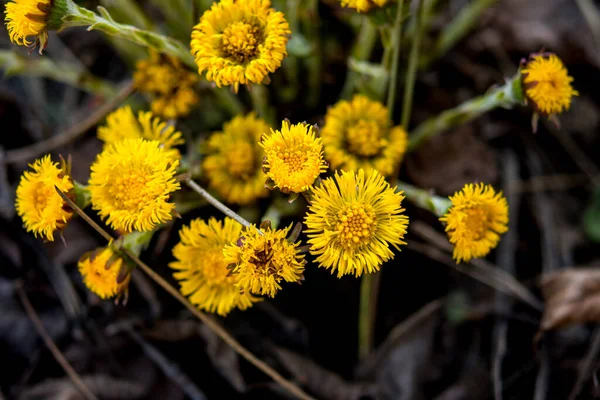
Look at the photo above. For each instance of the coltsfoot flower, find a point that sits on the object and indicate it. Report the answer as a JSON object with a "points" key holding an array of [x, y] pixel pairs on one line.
{"points": [[358, 134], [353, 220], [363, 5], [475, 221], [233, 162], [169, 84], [130, 185], [104, 272], [293, 157], [547, 84], [259, 262], [39, 205], [240, 42], [122, 124], [201, 267]]}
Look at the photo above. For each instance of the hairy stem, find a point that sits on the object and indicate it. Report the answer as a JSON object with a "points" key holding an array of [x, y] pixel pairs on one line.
{"points": [[424, 199], [411, 72]]}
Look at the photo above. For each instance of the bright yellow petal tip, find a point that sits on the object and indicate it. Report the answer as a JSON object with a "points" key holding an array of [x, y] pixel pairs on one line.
{"points": [[39, 205], [475, 221], [259, 262], [240, 42], [130, 184], [547, 84], [358, 134], [202, 270], [26, 18], [122, 124], [233, 162], [363, 5], [353, 220], [293, 157], [169, 84], [100, 270]]}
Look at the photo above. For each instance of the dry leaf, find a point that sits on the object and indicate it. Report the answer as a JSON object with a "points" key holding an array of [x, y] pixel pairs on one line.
{"points": [[572, 296]]}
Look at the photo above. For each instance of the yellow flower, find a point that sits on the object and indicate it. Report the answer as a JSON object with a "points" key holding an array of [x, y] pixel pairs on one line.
{"points": [[353, 220], [233, 162], [363, 5], [293, 157], [39, 205], [203, 272], [547, 84], [475, 221], [260, 262], [240, 42], [169, 84], [130, 184], [104, 272], [358, 135], [122, 124], [25, 18]]}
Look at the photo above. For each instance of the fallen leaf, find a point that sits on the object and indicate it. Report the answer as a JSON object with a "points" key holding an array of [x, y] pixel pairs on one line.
{"points": [[103, 386]]}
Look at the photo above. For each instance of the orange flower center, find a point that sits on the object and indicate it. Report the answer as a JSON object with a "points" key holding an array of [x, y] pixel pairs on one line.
{"points": [[240, 41], [356, 224], [293, 159]]}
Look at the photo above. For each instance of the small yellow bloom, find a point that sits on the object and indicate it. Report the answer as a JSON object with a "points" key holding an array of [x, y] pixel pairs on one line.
{"points": [[363, 5], [233, 162], [353, 220], [101, 271], [122, 124], [240, 42], [260, 262], [39, 205], [358, 135], [202, 269], [25, 18], [169, 84], [475, 221], [293, 157], [547, 84], [130, 184]]}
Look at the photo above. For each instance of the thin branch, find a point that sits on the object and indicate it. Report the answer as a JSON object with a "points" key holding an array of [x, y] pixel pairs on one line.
{"points": [[397, 45], [29, 152], [39, 327], [413, 61], [211, 323]]}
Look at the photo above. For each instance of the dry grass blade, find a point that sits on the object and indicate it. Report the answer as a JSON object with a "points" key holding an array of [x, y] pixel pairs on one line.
{"points": [[211, 323], [60, 358]]}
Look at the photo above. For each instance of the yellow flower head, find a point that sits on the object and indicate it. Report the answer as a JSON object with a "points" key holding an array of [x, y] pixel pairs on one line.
{"points": [[25, 18], [293, 157], [39, 205], [363, 5], [547, 84], [353, 220], [240, 42], [130, 184], [475, 221], [358, 135], [169, 84], [104, 272], [233, 162], [202, 269], [259, 262], [122, 124]]}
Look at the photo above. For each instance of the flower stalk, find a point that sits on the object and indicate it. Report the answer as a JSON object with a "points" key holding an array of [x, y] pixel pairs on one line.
{"points": [[424, 198]]}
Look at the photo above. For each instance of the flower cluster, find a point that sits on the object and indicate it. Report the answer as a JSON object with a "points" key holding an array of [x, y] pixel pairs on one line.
{"points": [[169, 83], [363, 5]]}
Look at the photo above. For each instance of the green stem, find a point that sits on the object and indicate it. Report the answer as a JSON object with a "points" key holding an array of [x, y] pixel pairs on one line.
{"points": [[362, 50], [424, 199], [260, 102], [312, 63], [393, 69], [411, 72], [228, 101], [506, 96], [369, 287]]}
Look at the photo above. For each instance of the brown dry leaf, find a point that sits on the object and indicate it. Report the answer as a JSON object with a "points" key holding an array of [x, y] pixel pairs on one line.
{"points": [[572, 296], [105, 387], [450, 160]]}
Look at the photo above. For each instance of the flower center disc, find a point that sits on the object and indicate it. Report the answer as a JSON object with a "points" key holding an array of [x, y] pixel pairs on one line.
{"points": [[294, 159], [130, 192], [240, 160], [240, 41], [365, 138], [477, 222], [42, 194], [356, 225]]}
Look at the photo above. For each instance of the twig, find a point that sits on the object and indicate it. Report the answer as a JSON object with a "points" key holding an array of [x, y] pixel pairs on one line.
{"points": [[369, 289], [411, 72], [39, 327], [211, 323], [587, 367], [27, 153], [397, 46]]}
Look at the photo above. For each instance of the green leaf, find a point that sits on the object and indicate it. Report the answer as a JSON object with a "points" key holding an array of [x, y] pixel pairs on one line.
{"points": [[591, 218], [300, 47]]}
